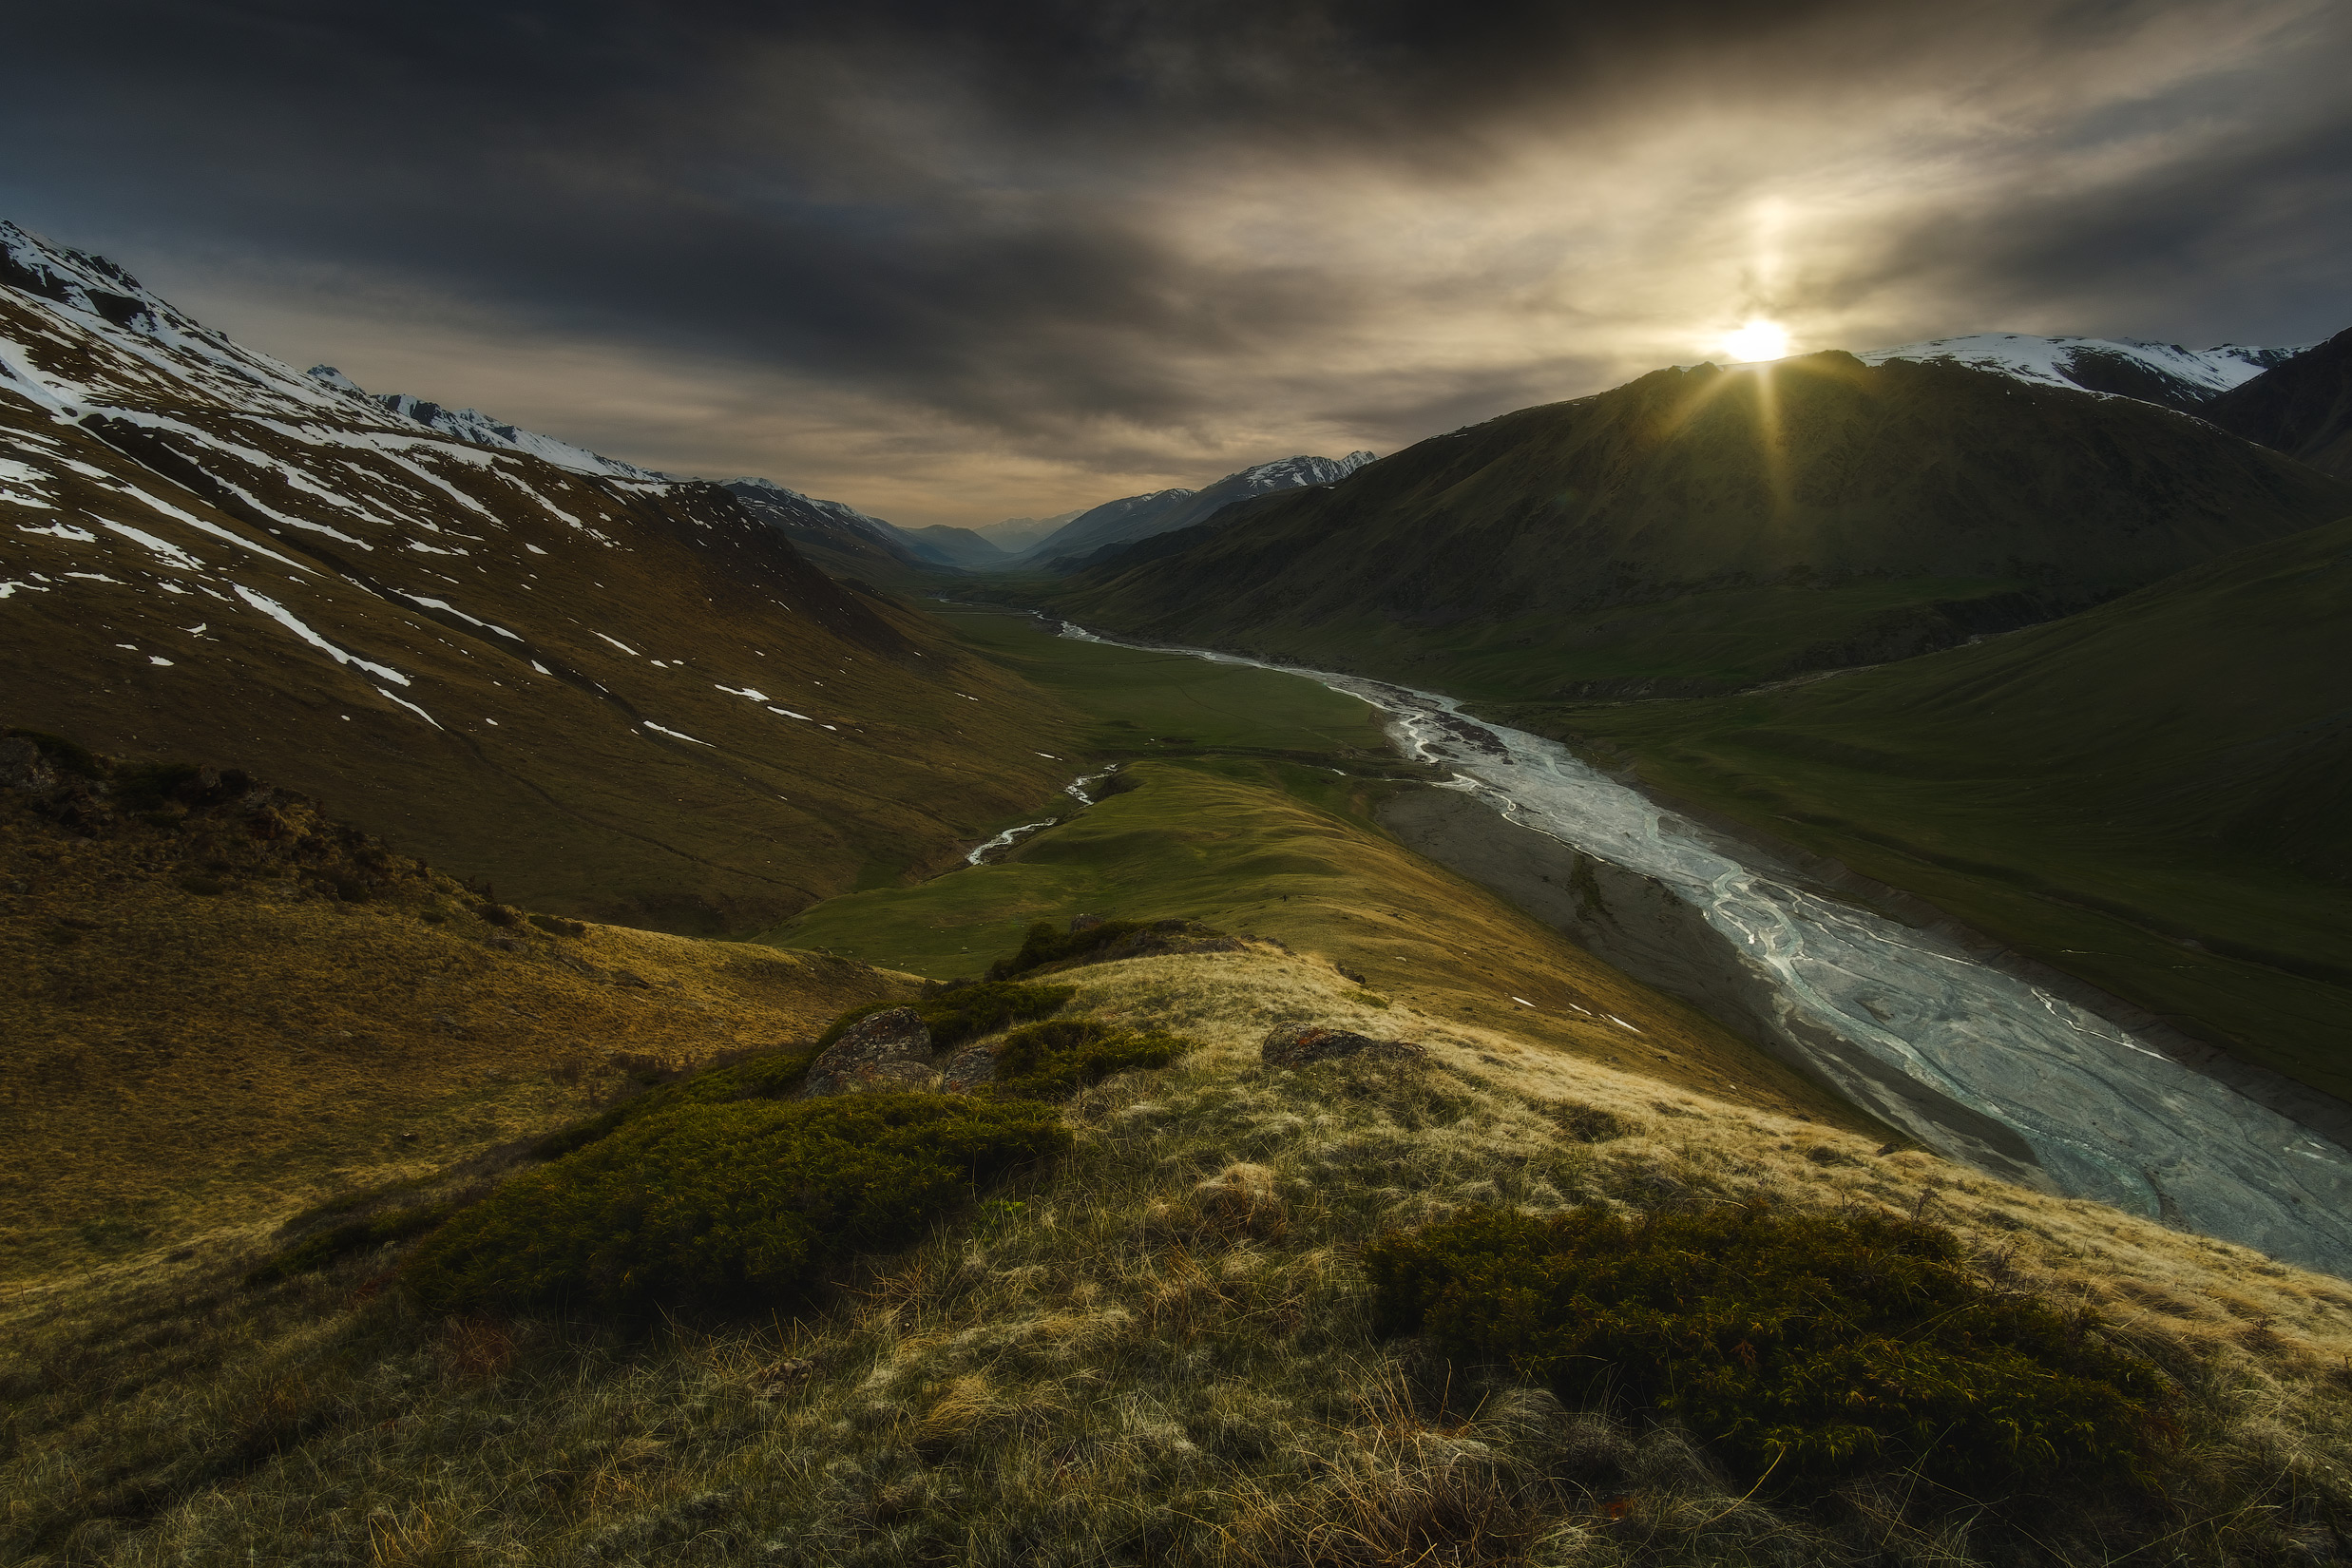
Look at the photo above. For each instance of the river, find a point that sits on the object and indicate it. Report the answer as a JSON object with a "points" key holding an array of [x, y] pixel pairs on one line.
{"points": [[1862, 1000]]}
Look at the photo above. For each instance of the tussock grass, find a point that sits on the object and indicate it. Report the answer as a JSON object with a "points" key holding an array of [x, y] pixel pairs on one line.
{"points": [[1160, 1349], [182, 1064]]}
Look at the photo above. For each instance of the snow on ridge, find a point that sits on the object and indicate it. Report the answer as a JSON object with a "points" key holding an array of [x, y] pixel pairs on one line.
{"points": [[473, 426], [2060, 361], [99, 297]]}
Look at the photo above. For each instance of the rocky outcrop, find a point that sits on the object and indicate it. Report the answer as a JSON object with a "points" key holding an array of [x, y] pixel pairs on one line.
{"points": [[883, 1052], [1297, 1044]]}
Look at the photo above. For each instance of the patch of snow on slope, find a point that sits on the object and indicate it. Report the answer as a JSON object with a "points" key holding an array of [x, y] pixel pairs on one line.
{"points": [[287, 619]]}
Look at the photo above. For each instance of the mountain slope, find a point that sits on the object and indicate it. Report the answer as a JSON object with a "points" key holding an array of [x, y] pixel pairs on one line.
{"points": [[2155, 795], [2165, 373], [1099, 532], [618, 699], [2301, 407], [1709, 529]]}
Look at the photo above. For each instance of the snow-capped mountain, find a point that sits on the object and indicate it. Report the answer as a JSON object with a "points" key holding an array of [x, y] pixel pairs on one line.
{"points": [[516, 666], [2126, 367], [1117, 524]]}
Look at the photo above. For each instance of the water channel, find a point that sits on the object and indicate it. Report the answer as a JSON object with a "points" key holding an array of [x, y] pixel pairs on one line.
{"points": [[1903, 1020]]}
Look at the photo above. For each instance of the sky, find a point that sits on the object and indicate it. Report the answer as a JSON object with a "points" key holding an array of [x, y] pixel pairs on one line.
{"points": [[953, 262]]}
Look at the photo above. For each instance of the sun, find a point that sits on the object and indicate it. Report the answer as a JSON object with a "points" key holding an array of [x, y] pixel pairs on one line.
{"points": [[1757, 340]]}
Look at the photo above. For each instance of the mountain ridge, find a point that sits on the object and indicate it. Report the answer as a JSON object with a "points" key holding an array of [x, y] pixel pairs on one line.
{"points": [[1813, 513]]}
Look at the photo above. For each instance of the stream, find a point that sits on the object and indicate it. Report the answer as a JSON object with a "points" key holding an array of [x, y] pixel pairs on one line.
{"points": [[1978, 1065]]}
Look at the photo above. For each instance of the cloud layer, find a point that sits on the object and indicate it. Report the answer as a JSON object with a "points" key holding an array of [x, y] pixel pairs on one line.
{"points": [[953, 262]]}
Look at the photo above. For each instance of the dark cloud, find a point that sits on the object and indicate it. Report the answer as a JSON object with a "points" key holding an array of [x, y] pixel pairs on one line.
{"points": [[940, 253]]}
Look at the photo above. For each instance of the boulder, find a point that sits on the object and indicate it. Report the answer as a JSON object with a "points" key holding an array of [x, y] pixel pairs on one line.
{"points": [[883, 1052], [968, 1069], [1296, 1044]]}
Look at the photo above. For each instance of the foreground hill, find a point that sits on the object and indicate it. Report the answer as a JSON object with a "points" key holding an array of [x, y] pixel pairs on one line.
{"points": [[2155, 795], [2301, 407], [615, 697], [1707, 528], [225, 1003], [1165, 1347]]}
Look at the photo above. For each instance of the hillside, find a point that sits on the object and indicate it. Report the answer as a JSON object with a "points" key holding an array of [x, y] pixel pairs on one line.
{"points": [[2301, 407], [1164, 1345], [611, 697], [1704, 529], [225, 1005], [271, 1067], [2152, 794]]}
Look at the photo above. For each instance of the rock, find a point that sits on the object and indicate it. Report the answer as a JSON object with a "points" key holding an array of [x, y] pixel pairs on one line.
{"points": [[22, 767], [884, 1051], [968, 1069], [506, 944], [1084, 922], [1296, 1044]]}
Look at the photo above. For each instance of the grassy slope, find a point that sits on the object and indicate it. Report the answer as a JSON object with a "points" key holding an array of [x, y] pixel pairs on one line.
{"points": [[2151, 796], [1159, 1352], [1715, 527], [1256, 830], [176, 1067]]}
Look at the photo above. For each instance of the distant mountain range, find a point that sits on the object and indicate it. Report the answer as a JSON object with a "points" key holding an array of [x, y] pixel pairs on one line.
{"points": [[1100, 532], [615, 694]]}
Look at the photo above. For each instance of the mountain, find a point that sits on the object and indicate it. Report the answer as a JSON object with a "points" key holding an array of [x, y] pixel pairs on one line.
{"points": [[625, 698], [834, 534], [1015, 534], [2301, 407], [2155, 795], [1101, 531], [848, 543], [1703, 530], [2126, 367], [952, 546]]}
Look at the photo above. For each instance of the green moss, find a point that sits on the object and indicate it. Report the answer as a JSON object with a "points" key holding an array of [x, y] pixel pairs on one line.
{"points": [[1064, 1055], [1800, 1350], [725, 1204]]}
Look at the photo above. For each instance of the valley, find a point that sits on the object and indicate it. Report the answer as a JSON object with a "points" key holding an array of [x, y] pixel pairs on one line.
{"points": [[971, 1019]]}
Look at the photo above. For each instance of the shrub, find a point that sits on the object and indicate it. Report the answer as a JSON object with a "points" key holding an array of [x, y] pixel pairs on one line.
{"points": [[1064, 1055], [1043, 944], [963, 1012], [1801, 1349], [69, 756], [725, 1204], [767, 1075], [147, 786], [317, 1252]]}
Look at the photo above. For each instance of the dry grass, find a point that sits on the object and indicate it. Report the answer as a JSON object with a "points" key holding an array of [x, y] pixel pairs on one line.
{"points": [[1159, 1352], [176, 1067]]}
